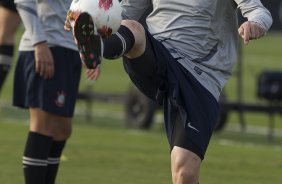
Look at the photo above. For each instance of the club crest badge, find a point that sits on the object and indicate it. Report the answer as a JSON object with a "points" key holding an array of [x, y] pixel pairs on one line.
{"points": [[61, 97]]}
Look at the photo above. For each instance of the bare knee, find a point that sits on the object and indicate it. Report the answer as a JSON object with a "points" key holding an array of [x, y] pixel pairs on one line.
{"points": [[57, 127], [184, 175], [185, 166], [63, 128], [139, 35]]}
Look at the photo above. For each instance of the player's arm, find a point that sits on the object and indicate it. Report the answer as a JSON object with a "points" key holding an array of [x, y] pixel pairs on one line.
{"points": [[258, 21], [43, 56]]}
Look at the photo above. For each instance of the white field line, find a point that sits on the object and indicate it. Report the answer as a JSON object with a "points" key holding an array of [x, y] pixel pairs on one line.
{"points": [[102, 113], [253, 129], [158, 118], [227, 142]]}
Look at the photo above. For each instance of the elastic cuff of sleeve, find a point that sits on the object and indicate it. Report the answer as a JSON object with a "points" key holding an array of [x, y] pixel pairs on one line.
{"points": [[260, 25], [44, 41]]}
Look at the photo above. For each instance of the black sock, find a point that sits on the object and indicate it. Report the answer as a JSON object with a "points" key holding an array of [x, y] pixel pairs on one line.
{"points": [[54, 161], [35, 158], [6, 57], [119, 43]]}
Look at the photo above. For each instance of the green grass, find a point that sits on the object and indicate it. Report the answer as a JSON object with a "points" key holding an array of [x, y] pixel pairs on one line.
{"points": [[260, 55], [101, 150], [106, 152]]}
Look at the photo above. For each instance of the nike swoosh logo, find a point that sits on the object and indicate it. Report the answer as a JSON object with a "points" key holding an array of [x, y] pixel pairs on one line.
{"points": [[189, 124]]}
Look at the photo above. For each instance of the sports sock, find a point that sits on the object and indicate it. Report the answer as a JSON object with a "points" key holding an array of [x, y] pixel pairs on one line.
{"points": [[54, 161], [119, 43], [35, 158], [6, 56]]}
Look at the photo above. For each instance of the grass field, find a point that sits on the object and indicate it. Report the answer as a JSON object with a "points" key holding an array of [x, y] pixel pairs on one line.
{"points": [[106, 152], [103, 151]]}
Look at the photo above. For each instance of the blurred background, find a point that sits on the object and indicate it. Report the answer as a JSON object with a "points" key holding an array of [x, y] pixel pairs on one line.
{"points": [[119, 136]]}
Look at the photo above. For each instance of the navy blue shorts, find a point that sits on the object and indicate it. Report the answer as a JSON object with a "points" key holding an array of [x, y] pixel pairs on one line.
{"points": [[190, 111], [9, 4], [56, 95]]}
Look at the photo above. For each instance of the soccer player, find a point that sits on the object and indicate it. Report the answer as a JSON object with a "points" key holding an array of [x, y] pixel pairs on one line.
{"points": [[181, 61], [46, 82], [9, 23]]}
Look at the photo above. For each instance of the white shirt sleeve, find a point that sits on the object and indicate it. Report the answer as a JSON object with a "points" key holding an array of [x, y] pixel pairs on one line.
{"points": [[254, 11], [135, 9], [29, 16]]}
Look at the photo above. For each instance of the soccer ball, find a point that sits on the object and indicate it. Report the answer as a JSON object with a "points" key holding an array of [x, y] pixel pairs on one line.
{"points": [[106, 14]]}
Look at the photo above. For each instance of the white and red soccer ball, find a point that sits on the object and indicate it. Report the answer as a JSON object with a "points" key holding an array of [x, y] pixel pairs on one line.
{"points": [[106, 14]]}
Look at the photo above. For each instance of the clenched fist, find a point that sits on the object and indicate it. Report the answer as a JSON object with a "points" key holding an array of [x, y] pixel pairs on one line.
{"points": [[250, 31]]}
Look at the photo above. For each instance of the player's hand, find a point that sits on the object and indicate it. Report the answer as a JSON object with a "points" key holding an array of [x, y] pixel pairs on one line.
{"points": [[67, 25], [250, 31], [44, 62], [93, 74], [71, 17]]}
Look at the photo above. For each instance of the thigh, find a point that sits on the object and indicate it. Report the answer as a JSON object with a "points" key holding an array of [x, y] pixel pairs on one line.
{"points": [[9, 21], [50, 124], [185, 161], [190, 112], [147, 71]]}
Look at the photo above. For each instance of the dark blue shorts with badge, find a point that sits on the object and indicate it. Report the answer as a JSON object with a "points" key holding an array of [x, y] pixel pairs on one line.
{"points": [[190, 110], [56, 95]]}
